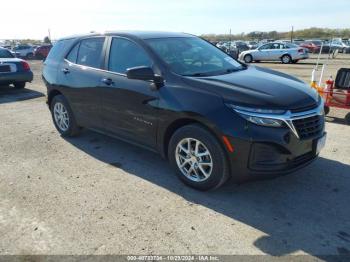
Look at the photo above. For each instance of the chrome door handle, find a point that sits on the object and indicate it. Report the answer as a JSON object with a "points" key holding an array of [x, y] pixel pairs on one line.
{"points": [[107, 81]]}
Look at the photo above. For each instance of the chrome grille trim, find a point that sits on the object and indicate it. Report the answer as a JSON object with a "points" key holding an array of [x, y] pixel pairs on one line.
{"points": [[288, 117]]}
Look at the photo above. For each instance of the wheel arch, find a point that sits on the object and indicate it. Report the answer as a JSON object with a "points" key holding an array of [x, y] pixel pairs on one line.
{"points": [[288, 54], [51, 95], [249, 54], [181, 122]]}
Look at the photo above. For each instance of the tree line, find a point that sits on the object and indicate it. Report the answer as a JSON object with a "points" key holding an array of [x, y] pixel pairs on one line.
{"points": [[310, 33]]}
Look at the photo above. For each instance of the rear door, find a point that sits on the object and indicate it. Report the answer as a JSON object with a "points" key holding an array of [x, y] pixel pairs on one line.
{"points": [[276, 51], [79, 77], [52, 62], [129, 107]]}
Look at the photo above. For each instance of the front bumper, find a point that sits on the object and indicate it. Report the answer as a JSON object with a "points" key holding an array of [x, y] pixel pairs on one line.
{"points": [[270, 152], [16, 77]]}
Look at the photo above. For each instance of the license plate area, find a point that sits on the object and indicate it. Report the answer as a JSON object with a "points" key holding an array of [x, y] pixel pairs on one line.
{"points": [[5, 69]]}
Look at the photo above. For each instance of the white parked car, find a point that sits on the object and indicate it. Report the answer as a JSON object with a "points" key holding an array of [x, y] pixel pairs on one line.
{"points": [[25, 51], [275, 51]]}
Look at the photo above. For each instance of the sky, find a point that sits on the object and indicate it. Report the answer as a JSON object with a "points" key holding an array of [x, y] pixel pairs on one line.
{"points": [[66, 17]]}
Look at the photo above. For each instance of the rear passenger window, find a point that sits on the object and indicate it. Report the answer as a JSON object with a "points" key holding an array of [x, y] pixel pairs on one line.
{"points": [[58, 49], [73, 54], [126, 54], [90, 52]]}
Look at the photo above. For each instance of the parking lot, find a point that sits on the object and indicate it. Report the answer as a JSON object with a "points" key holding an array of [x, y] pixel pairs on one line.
{"points": [[97, 195]]}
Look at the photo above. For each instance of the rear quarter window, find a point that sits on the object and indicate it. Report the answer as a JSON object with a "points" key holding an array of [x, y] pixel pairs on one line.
{"points": [[73, 54], [58, 50]]}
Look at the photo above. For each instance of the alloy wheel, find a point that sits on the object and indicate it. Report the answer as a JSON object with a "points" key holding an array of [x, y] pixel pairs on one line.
{"points": [[286, 59], [194, 159], [248, 59], [61, 116]]}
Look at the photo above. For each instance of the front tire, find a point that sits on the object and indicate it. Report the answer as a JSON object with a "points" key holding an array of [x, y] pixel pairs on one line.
{"points": [[326, 110], [248, 59], [63, 117], [198, 158]]}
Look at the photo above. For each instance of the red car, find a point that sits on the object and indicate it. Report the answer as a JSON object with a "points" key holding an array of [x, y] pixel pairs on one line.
{"points": [[311, 46], [41, 52]]}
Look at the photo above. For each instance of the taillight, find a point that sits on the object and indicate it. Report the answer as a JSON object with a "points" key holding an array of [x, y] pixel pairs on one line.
{"points": [[300, 50], [25, 66]]}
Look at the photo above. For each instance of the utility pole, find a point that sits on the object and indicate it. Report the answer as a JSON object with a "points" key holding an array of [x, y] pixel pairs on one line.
{"points": [[291, 35], [230, 39], [49, 33]]}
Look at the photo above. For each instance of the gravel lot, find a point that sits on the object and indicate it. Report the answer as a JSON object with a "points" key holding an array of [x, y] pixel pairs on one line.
{"points": [[97, 195]]}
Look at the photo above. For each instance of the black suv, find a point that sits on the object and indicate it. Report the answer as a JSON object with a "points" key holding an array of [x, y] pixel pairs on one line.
{"points": [[210, 115]]}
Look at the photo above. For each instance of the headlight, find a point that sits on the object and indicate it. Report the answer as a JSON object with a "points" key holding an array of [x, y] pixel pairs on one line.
{"points": [[253, 115], [256, 110], [261, 121]]}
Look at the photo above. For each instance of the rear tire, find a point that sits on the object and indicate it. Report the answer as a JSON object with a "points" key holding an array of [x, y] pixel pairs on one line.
{"points": [[63, 117], [248, 59], [203, 169], [286, 59], [19, 85]]}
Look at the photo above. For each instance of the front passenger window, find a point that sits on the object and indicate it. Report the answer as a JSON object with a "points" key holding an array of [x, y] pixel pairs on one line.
{"points": [[265, 47], [126, 54]]}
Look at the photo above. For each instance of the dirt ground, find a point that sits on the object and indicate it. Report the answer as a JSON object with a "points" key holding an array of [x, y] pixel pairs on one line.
{"points": [[97, 195]]}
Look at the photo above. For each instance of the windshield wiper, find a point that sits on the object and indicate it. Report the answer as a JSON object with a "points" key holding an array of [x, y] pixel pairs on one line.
{"points": [[197, 74], [226, 71]]}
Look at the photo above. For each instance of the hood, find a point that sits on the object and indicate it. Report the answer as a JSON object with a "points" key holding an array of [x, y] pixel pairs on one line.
{"points": [[259, 87]]}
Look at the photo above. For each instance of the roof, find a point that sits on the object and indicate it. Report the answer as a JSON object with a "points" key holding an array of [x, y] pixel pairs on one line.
{"points": [[150, 34], [138, 34]]}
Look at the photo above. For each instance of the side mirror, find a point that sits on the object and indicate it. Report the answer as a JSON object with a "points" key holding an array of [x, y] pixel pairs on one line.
{"points": [[140, 73], [145, 73]]}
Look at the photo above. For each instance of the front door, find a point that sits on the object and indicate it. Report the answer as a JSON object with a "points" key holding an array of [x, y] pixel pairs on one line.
{"points": [[129, 107], [263, 52]]}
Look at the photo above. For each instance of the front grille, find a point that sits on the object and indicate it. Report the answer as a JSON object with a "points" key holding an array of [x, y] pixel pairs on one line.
{"points": [[309, 127], [303, 109]]}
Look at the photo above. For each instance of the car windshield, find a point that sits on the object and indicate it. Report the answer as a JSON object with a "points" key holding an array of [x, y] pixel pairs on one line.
{"points": [[191, 56], [5, 54]]}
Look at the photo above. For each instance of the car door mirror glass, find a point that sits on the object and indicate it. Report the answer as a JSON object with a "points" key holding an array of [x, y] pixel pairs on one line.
{"points": [[140, 73], [145, 73]]}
